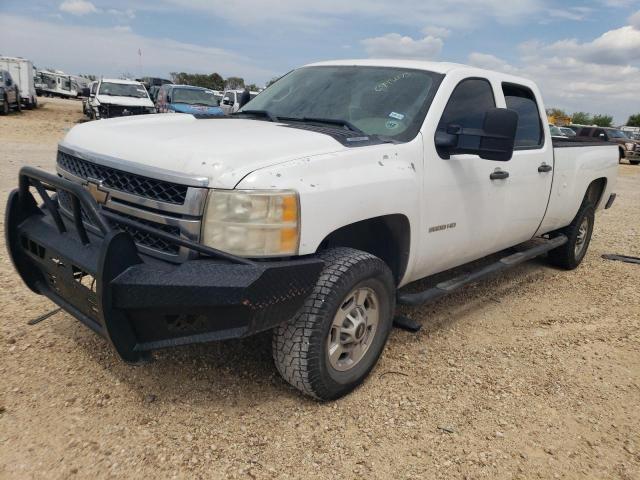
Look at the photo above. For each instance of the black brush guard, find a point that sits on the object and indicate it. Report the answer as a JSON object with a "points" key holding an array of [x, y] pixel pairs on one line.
{"points": [[136, 302]]}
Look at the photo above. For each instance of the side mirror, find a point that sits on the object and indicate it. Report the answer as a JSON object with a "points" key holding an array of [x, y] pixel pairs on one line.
{"points": [[497, 137], [169, 99], [85, 91], [9, 82]]}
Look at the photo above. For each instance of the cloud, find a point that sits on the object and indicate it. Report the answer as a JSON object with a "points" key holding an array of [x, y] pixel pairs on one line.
{"points": [[446, 13], [615, 47], [122, 28], [634, 20], [597, 76], [98, 51], [394, 45], [78, 7], [573, 13], [434, 31], [127, 13]]}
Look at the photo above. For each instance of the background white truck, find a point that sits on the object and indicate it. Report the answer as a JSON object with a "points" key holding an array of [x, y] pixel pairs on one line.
{"points": [[305, 212], [112, 97], [22, 72]]}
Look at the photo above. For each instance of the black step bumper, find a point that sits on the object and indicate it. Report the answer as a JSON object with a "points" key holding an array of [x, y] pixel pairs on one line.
{"points": [[136, 302]]}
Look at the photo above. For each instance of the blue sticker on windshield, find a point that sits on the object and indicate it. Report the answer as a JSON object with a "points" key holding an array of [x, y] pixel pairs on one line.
{"points": [[397, 116]]}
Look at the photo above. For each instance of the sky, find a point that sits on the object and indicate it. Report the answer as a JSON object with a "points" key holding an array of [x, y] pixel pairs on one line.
{"points": [[585, 56]]}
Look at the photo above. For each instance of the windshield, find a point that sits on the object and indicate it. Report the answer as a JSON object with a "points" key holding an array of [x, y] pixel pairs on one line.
{"points": [[122, 90], [616, 134], [194, 96], [390, 102]]}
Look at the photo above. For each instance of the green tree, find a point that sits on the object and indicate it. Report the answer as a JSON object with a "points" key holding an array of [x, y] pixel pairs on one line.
{"points": [[235, 83], [581, 118], [556, 112], [634, 120], [272, 81], [603, 120], [253, 87], [213, 81]]}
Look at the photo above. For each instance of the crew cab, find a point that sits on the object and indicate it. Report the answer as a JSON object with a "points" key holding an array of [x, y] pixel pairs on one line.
{"points": [[111, 97], [627, 147], [187, 99], [305, 214], [9, 93]]}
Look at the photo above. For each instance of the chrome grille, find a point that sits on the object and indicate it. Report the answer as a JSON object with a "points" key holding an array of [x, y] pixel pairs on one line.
{"points": [[123, 181], [141, 237]]}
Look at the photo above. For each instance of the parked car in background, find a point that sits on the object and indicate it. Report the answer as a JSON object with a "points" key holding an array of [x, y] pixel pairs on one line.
{"points": [[9, 93], [118, 98], [556, 132], [22, 72], [305, 213], [231, 100], [567, 132], [627, 147], [187, 99]]}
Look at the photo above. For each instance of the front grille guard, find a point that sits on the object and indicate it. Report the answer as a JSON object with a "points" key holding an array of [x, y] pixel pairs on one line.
{"points": [[77, 268], [81, 201]]}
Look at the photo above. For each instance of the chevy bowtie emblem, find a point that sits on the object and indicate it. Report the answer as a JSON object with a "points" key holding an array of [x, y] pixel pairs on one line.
{"points": [[93, 187]]}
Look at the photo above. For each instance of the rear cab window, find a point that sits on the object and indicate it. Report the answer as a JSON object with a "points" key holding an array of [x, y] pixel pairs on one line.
{"points": [[530, 134]]}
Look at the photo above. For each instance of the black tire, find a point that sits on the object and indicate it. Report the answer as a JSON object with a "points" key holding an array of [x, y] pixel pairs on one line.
{"points": [[5, 107], [620, 155], [19, 106], [568, 256], [634, 162], [300, 346]]}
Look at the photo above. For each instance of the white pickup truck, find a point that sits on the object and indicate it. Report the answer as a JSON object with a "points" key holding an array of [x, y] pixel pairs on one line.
{"points": [[305, 212]]}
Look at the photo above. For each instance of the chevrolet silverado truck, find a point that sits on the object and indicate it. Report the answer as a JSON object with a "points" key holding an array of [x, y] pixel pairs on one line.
{"points": [[111, 97], [305, 212]]}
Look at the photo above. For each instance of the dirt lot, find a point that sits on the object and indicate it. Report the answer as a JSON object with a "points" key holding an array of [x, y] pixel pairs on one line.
{"points": [[535, 374]]}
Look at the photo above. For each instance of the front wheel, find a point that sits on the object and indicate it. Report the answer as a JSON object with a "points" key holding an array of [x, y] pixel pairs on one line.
{"points": [[634, 162], [571, 254], [5, 107], [333, 343]]}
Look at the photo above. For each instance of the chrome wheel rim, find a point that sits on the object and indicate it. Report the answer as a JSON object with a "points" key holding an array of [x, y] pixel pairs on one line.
{"points": [[581, 238], [353, 329]]}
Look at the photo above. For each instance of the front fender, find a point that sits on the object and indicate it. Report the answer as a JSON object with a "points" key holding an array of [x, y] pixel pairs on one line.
{"points": [[342, 188]]}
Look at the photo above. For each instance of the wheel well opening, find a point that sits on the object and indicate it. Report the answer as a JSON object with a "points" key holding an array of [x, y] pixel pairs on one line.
{"points": [[595, 191], [387, 237]]}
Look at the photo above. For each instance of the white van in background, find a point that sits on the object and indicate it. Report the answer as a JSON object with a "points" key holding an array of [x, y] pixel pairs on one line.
{"points": [[21, 71]]}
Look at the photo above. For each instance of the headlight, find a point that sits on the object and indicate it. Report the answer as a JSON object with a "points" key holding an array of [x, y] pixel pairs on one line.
{"points": [[253, 223], [629, 146]]}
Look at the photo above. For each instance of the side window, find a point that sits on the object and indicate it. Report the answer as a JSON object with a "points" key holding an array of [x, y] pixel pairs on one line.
{"points": [[467, 107], [529, 133]]}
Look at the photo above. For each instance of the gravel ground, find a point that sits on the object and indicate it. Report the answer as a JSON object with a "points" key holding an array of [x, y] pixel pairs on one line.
{"points": [[535, 374]]}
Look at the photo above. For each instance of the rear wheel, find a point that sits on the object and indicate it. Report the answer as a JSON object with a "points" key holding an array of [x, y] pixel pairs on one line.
{"points": [[330, 347], [571, 254]]}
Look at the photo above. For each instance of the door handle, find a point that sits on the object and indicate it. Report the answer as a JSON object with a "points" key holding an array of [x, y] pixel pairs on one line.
{"points": [[544, 168], [499, 175]]}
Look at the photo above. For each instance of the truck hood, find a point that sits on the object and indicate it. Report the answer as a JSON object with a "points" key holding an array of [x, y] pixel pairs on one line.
{"points": [[222, 150], [124, 101]]}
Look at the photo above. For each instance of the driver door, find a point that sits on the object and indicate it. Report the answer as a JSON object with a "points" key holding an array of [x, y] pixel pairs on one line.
{"points": [[464, 207]]}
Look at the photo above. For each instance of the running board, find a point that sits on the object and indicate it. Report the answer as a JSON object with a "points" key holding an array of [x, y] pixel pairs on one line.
{"points": [[456, 283]]}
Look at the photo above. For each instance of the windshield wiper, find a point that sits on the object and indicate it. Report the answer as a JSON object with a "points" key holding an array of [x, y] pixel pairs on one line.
{"points": [[260, 113], [329, 121]]}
